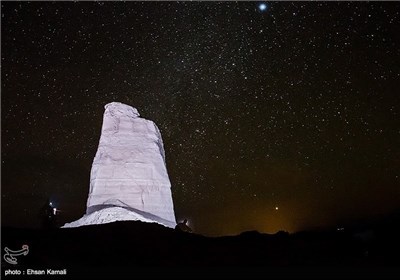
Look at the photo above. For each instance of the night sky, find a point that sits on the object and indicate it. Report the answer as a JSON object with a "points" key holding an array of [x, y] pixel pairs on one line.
{"points": [[281, 116]]}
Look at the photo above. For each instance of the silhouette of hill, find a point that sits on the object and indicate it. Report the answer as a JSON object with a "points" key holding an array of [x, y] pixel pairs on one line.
{"points": [[141, 249]]}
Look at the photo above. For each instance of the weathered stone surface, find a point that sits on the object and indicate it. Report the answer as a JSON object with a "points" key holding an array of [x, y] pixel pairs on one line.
{"points": [[129, 169]]}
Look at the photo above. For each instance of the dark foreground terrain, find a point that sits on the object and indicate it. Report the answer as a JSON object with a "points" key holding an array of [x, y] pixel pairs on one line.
{"points": [[135, 250]]}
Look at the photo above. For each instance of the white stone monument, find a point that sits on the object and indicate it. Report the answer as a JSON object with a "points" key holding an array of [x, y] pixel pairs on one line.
{"points": [[129, 179]]}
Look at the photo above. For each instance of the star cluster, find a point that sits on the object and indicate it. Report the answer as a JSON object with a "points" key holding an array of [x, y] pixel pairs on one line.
{"points": [[275, 117]]}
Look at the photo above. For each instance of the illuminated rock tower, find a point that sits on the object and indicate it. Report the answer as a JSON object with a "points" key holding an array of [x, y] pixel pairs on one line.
{"points": [[129, 179]]}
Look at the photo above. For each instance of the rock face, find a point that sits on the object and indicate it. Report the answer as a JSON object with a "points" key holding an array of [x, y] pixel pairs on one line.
{"points": [[129, 172]]}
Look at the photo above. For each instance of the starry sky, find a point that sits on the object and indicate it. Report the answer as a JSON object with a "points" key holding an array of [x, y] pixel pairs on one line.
{"points": [[274, 115]]}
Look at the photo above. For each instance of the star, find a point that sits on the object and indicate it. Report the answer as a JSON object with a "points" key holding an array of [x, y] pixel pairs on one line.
{"points": [[262, 7]]}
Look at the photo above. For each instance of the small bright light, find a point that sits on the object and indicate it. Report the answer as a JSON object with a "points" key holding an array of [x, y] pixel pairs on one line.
{"points": [[55, 211], [262, 7], [51, 203], [276, 208]]}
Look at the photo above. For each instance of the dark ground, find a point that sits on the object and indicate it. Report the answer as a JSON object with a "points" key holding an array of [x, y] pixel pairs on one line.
{"points": [[136, 249]]}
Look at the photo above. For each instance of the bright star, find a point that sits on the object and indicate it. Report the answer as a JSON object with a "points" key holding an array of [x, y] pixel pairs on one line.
{"points": [[262, 7]]}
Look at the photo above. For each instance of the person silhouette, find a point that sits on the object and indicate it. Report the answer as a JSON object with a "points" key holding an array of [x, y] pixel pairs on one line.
{"points": [[48, 215], [183, 227]]}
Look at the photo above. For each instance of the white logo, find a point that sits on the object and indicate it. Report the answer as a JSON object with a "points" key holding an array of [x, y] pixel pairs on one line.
{"points": [[10, 255]]}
